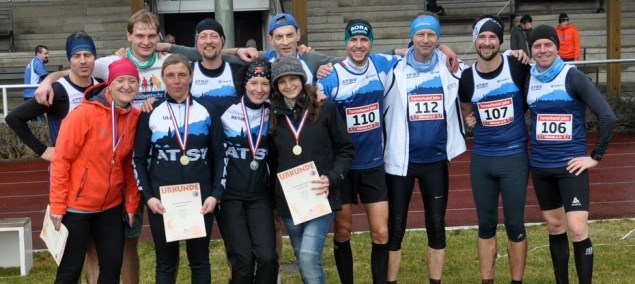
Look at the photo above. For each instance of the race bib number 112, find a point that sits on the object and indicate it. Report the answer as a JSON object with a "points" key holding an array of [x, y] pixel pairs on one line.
{"points": [[425, 107]]}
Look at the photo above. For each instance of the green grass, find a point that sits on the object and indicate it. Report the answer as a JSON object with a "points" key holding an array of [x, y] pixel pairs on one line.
{"points": [[613, 259]]}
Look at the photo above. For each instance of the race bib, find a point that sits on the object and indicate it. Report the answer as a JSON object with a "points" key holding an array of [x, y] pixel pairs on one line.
{"points": [[425, 107], [554, 127], [496, 113], [363, 118]]}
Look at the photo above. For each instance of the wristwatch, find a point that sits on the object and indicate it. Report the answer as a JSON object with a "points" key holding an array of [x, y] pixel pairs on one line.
{"points": [[596, 156]]}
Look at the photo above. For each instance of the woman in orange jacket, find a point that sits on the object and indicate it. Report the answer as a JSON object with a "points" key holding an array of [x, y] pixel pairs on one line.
{"points": [[92, 179]]}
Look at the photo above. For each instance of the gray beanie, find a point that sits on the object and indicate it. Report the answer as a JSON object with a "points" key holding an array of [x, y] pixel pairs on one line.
{"points": [[287, 65]]}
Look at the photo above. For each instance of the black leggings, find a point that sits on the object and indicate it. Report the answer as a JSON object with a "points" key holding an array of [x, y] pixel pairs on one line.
{"points": [[434, 186]]}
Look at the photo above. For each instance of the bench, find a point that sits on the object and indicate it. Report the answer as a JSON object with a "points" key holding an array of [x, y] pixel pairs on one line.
{"points": [[17, 72], [16, 244], [6, 20]]}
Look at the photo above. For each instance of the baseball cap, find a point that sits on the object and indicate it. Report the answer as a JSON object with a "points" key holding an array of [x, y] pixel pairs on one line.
{"points": [[281, 20]]}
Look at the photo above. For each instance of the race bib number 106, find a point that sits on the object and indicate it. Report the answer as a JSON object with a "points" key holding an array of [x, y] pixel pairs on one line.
{"points": [[554, 127]]}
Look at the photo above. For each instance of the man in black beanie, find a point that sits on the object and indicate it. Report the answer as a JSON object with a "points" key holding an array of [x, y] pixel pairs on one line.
{"points": [[569, 39], [558, 95]]}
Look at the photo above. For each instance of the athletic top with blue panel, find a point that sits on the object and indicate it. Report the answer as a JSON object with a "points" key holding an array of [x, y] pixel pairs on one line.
{"points": [[241, 182], [499, 107], [213, 85], [426, 116], [558, 122], [359, 99], [34, 73]]}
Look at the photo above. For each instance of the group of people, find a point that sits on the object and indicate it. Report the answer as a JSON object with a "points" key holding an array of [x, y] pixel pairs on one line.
{"points": [[568, 37], [372, 124]]}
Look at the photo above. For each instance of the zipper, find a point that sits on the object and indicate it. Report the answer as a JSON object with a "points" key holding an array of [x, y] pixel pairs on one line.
{"points": [[82, 183]]}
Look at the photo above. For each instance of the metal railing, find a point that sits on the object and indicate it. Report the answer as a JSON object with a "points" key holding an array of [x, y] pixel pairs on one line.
{"points": [[5, 99]]}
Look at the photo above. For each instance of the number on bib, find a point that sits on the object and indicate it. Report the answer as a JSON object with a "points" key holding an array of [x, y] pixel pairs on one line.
{"points": [[363, 118], [554, 127], [496, 113], [425, 107]]}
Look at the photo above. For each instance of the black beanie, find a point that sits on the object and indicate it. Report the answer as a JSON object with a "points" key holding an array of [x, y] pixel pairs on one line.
{"points": [[488, 24], [563, 17], [546, 32], [210, 24]]}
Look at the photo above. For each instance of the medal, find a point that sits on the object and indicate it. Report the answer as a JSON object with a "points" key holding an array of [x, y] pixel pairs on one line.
{"points": [[253, 147], [184, 160], [253, 165], [181, 139], [115, 140], [297, 149]]}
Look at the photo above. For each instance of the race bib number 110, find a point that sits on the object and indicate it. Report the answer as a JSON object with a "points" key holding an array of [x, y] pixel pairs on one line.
{"points": [[363, 118]]}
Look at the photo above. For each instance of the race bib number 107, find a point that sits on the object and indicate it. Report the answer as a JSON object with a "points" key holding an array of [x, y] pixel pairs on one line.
{"points": [[496, 113], [554, 127]]}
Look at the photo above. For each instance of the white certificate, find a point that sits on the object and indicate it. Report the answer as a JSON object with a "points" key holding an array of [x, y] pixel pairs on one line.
{"points": [[303, 203], [182, 218], [55, 240]]}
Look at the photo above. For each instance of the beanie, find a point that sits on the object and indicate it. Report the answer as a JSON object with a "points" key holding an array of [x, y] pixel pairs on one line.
{"points": [[79, 41], [358, 27], [425, 22], [286, 65], [122, 67], [281, 20], [260, 68], [488, 24], [563, 17], [544, 32], [210, 24]]}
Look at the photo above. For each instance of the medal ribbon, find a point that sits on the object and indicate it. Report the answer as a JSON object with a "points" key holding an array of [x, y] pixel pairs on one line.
{"points": [[296, 132], [182, 140], [253, 147]]}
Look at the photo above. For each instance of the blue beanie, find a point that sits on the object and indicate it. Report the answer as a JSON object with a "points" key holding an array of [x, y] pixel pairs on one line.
{"points": [[79, 41], [425, 22]]}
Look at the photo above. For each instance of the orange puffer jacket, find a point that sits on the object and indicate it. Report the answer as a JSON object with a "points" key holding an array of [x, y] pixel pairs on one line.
{"points": [[569, 42]]}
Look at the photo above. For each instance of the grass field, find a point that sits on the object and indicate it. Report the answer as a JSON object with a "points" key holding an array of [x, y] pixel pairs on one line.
{"points": [[614, 250]]}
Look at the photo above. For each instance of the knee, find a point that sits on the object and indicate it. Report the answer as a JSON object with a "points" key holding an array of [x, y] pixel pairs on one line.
{"points": [[486, 231], [579, 231], [396, 231], [516, 233], [380, 235], [310, 264], [341, 232], [435, 227], [556, 228]]}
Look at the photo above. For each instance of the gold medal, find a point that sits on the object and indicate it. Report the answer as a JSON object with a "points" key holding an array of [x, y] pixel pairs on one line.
{"points": [[184, 160], [253, 165], [297, 150]]}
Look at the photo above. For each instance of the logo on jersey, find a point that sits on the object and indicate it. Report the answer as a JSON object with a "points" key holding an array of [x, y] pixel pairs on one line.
{"points": [[481, 85], [412, 75], [349, 81], [536, 87], [576, 202], [200, 82], [173, 155]]}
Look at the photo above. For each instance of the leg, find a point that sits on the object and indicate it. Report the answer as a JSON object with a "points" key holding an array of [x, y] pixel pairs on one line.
{"points": [[167, 254], [198, 254], [70, 267], [434, 187], [377, 214], [310, 246], [399, 194], [341, 243], [130, 267], [262, 232], [486, 188], [232, 221], [108, 233], [91, 265]]}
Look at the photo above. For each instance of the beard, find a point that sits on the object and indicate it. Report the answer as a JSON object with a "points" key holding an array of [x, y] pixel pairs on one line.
{"points": [[489, 56], [45, 60]]}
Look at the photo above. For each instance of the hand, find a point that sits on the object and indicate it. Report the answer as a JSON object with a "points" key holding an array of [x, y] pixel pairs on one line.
{"points": [[321, 186], [520, 55], [57, 221], [400, 51], [320, 95], [452, 59], [209, 205], [130, 219], [146, 106], [120, 52], [302, 49], [247, 54], [48, 154], [44, 94], [578, 165], [324, 70], [470, 120], [155, 206]]}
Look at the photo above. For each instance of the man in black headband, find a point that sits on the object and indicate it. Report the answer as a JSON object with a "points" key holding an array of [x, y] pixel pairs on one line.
{"points": [[491, 94]]}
